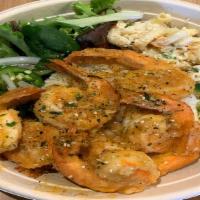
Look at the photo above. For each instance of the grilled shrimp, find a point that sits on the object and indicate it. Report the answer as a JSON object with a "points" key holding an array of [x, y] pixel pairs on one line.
{"points": [[10, 122], [101, 165], [156, 122], [183, 147], [126, 69], [10, 130], [122, 58], [147, 131], [157, 81], [34, 149], [184, 152], [19, 96], [177, 110], [74, 107]]}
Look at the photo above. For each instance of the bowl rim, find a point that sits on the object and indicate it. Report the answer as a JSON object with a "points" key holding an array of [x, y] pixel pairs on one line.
{"points": [[41, 4]]}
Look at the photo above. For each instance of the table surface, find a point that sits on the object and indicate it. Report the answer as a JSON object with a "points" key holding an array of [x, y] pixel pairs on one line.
{"points": [[4, 4]]}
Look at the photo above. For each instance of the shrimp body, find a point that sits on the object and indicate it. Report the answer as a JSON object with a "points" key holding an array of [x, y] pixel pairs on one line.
{"points": [[157, 81], [126, 69], [99, 164], [147, 131], [154, 123], [83, 109], [10, 130], [10, 122], [34, 149], [184, 152]]}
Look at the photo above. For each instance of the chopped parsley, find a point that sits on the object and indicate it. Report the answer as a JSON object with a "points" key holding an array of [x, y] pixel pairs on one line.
{"points": [[11, 124], [197, 90], [43, 108], [198, 109], [194, 69], [197, 87], [147, 96], [56, 113], [93, 94], [78, 96], [168, 55], [43, 144]]}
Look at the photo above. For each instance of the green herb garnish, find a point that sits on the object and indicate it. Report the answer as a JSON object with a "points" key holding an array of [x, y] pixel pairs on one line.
{"points": [[194, 69], [43, 108], [169, 55], [198, 109], [78, 96], [147, 96], [56, 113], [11, 124]]}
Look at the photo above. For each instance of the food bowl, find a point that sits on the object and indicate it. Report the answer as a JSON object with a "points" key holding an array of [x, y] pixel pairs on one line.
{"points": [[181, 184]]}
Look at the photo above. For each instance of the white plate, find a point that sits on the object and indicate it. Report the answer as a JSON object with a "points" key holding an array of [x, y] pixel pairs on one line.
{"points": [[181, 184]]}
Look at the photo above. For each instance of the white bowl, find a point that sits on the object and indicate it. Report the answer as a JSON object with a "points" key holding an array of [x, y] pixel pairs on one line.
{"points": [[181, 184]]}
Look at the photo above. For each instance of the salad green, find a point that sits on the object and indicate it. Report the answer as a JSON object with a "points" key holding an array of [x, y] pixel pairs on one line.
{"points": [[6, 50], [83, 10], [90, 21], [15, 37], [23, 47], [47, 41], [95, 7], [98, 5]]}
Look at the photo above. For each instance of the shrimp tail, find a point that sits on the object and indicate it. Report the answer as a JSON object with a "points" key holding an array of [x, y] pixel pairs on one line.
{"points": [[19, 96], [61, 66]]}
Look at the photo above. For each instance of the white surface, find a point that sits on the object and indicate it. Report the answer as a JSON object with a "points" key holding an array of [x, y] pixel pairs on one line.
{"points": [[181, 184]]}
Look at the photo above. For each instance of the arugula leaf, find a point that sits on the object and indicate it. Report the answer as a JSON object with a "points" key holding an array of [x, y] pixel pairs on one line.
{"points": [[15, 38], [95, 7], [83, 10], [99, 5]]}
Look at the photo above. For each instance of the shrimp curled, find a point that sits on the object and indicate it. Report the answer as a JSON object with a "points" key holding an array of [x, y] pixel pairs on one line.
{"points": [[83, 109]]}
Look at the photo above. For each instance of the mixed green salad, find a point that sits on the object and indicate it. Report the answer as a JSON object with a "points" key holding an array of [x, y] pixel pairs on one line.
{"points": [[26, 47]]}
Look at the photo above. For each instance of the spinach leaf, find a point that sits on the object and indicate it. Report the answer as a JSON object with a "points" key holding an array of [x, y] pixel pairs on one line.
{"points": [[48, 41], [57, 40]]}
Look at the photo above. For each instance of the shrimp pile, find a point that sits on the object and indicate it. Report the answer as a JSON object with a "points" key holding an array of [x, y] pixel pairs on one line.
{"points": [[118, 127]]}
